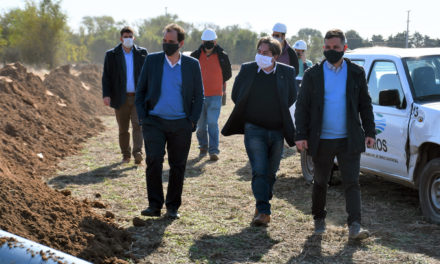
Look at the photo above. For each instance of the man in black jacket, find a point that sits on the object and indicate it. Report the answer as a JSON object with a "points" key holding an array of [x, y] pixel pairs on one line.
{"points": [[332, 101], [216, 70], [263, 91], [122, 66], [288, 55]]}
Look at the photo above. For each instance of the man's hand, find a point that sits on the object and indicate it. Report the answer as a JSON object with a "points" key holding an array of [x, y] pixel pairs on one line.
{"points": [[301, 145], [106, 101], [369, 141]]}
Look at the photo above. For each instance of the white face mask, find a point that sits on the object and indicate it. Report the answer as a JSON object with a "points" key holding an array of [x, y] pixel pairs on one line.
{"points": [[263, 61], [127, 42]]}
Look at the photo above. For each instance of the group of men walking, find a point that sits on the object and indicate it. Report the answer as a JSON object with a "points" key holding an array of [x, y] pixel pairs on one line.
{"points": [[168, 95]]}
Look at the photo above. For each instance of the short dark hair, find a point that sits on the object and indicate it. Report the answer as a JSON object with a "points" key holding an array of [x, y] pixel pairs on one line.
{"points": [[174, 27], [127, 29], [335, 33], [274, 45]]}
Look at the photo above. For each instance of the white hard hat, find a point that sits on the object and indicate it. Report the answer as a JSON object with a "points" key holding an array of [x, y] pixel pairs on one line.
{"points": [[300, 45], [279, 27], [209, 34]]}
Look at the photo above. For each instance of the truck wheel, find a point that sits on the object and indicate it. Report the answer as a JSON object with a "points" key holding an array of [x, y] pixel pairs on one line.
{"points": [[429, 191], [307, 166]]}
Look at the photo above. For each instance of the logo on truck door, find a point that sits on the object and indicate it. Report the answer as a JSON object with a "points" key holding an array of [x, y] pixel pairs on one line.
{"points": [[380, 123], [380, 144]]}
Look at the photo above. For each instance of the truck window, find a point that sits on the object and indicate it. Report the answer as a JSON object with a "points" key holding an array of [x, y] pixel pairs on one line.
{"points": [[359, 62], [383, 76], [424, 73]]}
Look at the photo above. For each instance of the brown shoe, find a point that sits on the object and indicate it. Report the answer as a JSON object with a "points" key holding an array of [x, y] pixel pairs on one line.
{"points": [[261, 220], [213, 157], [203, 152], [125, 160], [138, 159]]}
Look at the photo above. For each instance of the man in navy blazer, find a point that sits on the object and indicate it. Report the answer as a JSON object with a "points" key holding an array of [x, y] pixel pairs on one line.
{"points": [[122, 67], [169, 99]]}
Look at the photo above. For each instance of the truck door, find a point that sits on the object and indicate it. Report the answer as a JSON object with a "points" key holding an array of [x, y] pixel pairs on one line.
{"points": [[388, 154]]}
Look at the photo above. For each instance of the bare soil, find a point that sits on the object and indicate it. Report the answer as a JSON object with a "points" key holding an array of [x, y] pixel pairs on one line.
{"points": [[38, 128]]}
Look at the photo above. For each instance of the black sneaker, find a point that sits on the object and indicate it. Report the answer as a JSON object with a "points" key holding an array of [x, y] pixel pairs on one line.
{"points": [[150, 212], [319, 226], [355, 232], [172, 214]]}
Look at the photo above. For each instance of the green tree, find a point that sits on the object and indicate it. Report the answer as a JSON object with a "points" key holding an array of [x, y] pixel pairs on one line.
{"points": [[397, 41], [35, 34], [354, 40], [377, 40], [314, 40], [151, 31]]}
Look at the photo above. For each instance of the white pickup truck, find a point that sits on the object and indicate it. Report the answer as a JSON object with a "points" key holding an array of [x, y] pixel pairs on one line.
{"points": [[404, 85]]}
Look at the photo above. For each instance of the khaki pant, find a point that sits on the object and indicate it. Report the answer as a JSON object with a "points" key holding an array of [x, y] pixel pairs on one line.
{"points": [[123, 115]]}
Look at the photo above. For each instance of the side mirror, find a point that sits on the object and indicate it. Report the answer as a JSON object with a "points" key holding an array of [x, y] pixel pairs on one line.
{"points": [[389, 98]]}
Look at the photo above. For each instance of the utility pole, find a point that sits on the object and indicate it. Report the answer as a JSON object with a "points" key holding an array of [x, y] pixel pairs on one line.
{"points": [[407, 30], [166, 11]]}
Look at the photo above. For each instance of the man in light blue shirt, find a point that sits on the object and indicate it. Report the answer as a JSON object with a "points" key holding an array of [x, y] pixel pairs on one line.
{"points": [[122, 67], [334, 118]]}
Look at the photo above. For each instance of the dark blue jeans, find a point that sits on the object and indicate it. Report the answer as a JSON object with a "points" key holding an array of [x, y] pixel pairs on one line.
{"points": [[264, 148]]}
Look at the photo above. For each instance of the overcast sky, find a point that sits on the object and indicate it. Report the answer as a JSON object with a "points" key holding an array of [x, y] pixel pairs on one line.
{"points": [[367, 17]]}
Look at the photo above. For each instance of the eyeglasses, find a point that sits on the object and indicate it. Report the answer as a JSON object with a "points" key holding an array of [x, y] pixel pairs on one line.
{"points": [[276, 35]]}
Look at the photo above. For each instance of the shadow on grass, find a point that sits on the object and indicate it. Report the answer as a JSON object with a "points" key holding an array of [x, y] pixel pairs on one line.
{"points": [[91, 177], [194, 167], [390, 212], [245, 172], [312, 252], [250, 245], [149, 237]]}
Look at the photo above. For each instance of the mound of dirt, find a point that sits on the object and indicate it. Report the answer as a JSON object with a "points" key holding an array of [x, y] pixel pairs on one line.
{"points": [[80, 86], [38, 126]]}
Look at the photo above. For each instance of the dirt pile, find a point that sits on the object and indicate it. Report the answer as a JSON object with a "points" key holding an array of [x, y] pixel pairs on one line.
{"points": [[80, 86], [38, 125]]}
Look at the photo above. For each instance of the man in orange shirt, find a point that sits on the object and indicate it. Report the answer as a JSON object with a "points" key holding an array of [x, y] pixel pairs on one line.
{"points": [[216, 70]]}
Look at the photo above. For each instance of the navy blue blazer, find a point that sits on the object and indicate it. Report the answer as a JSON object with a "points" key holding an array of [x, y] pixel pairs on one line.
{"points": [[148, 89]]}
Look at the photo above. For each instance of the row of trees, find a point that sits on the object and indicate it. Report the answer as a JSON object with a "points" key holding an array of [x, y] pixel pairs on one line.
{"points": [[39, 35]]}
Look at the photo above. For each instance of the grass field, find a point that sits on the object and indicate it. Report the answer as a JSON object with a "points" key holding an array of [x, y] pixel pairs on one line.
{"points": [[218, 206]]}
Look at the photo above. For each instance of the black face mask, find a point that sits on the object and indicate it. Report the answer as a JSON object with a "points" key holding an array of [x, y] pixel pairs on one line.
{"points": [[208, 45], [333, 56], [170, 48]]}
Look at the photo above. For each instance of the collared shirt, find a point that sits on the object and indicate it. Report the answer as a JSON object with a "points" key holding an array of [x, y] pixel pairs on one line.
{"points": [[269, 72], [334, 68], [130, 71], [284, 56], [179, 62]]}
